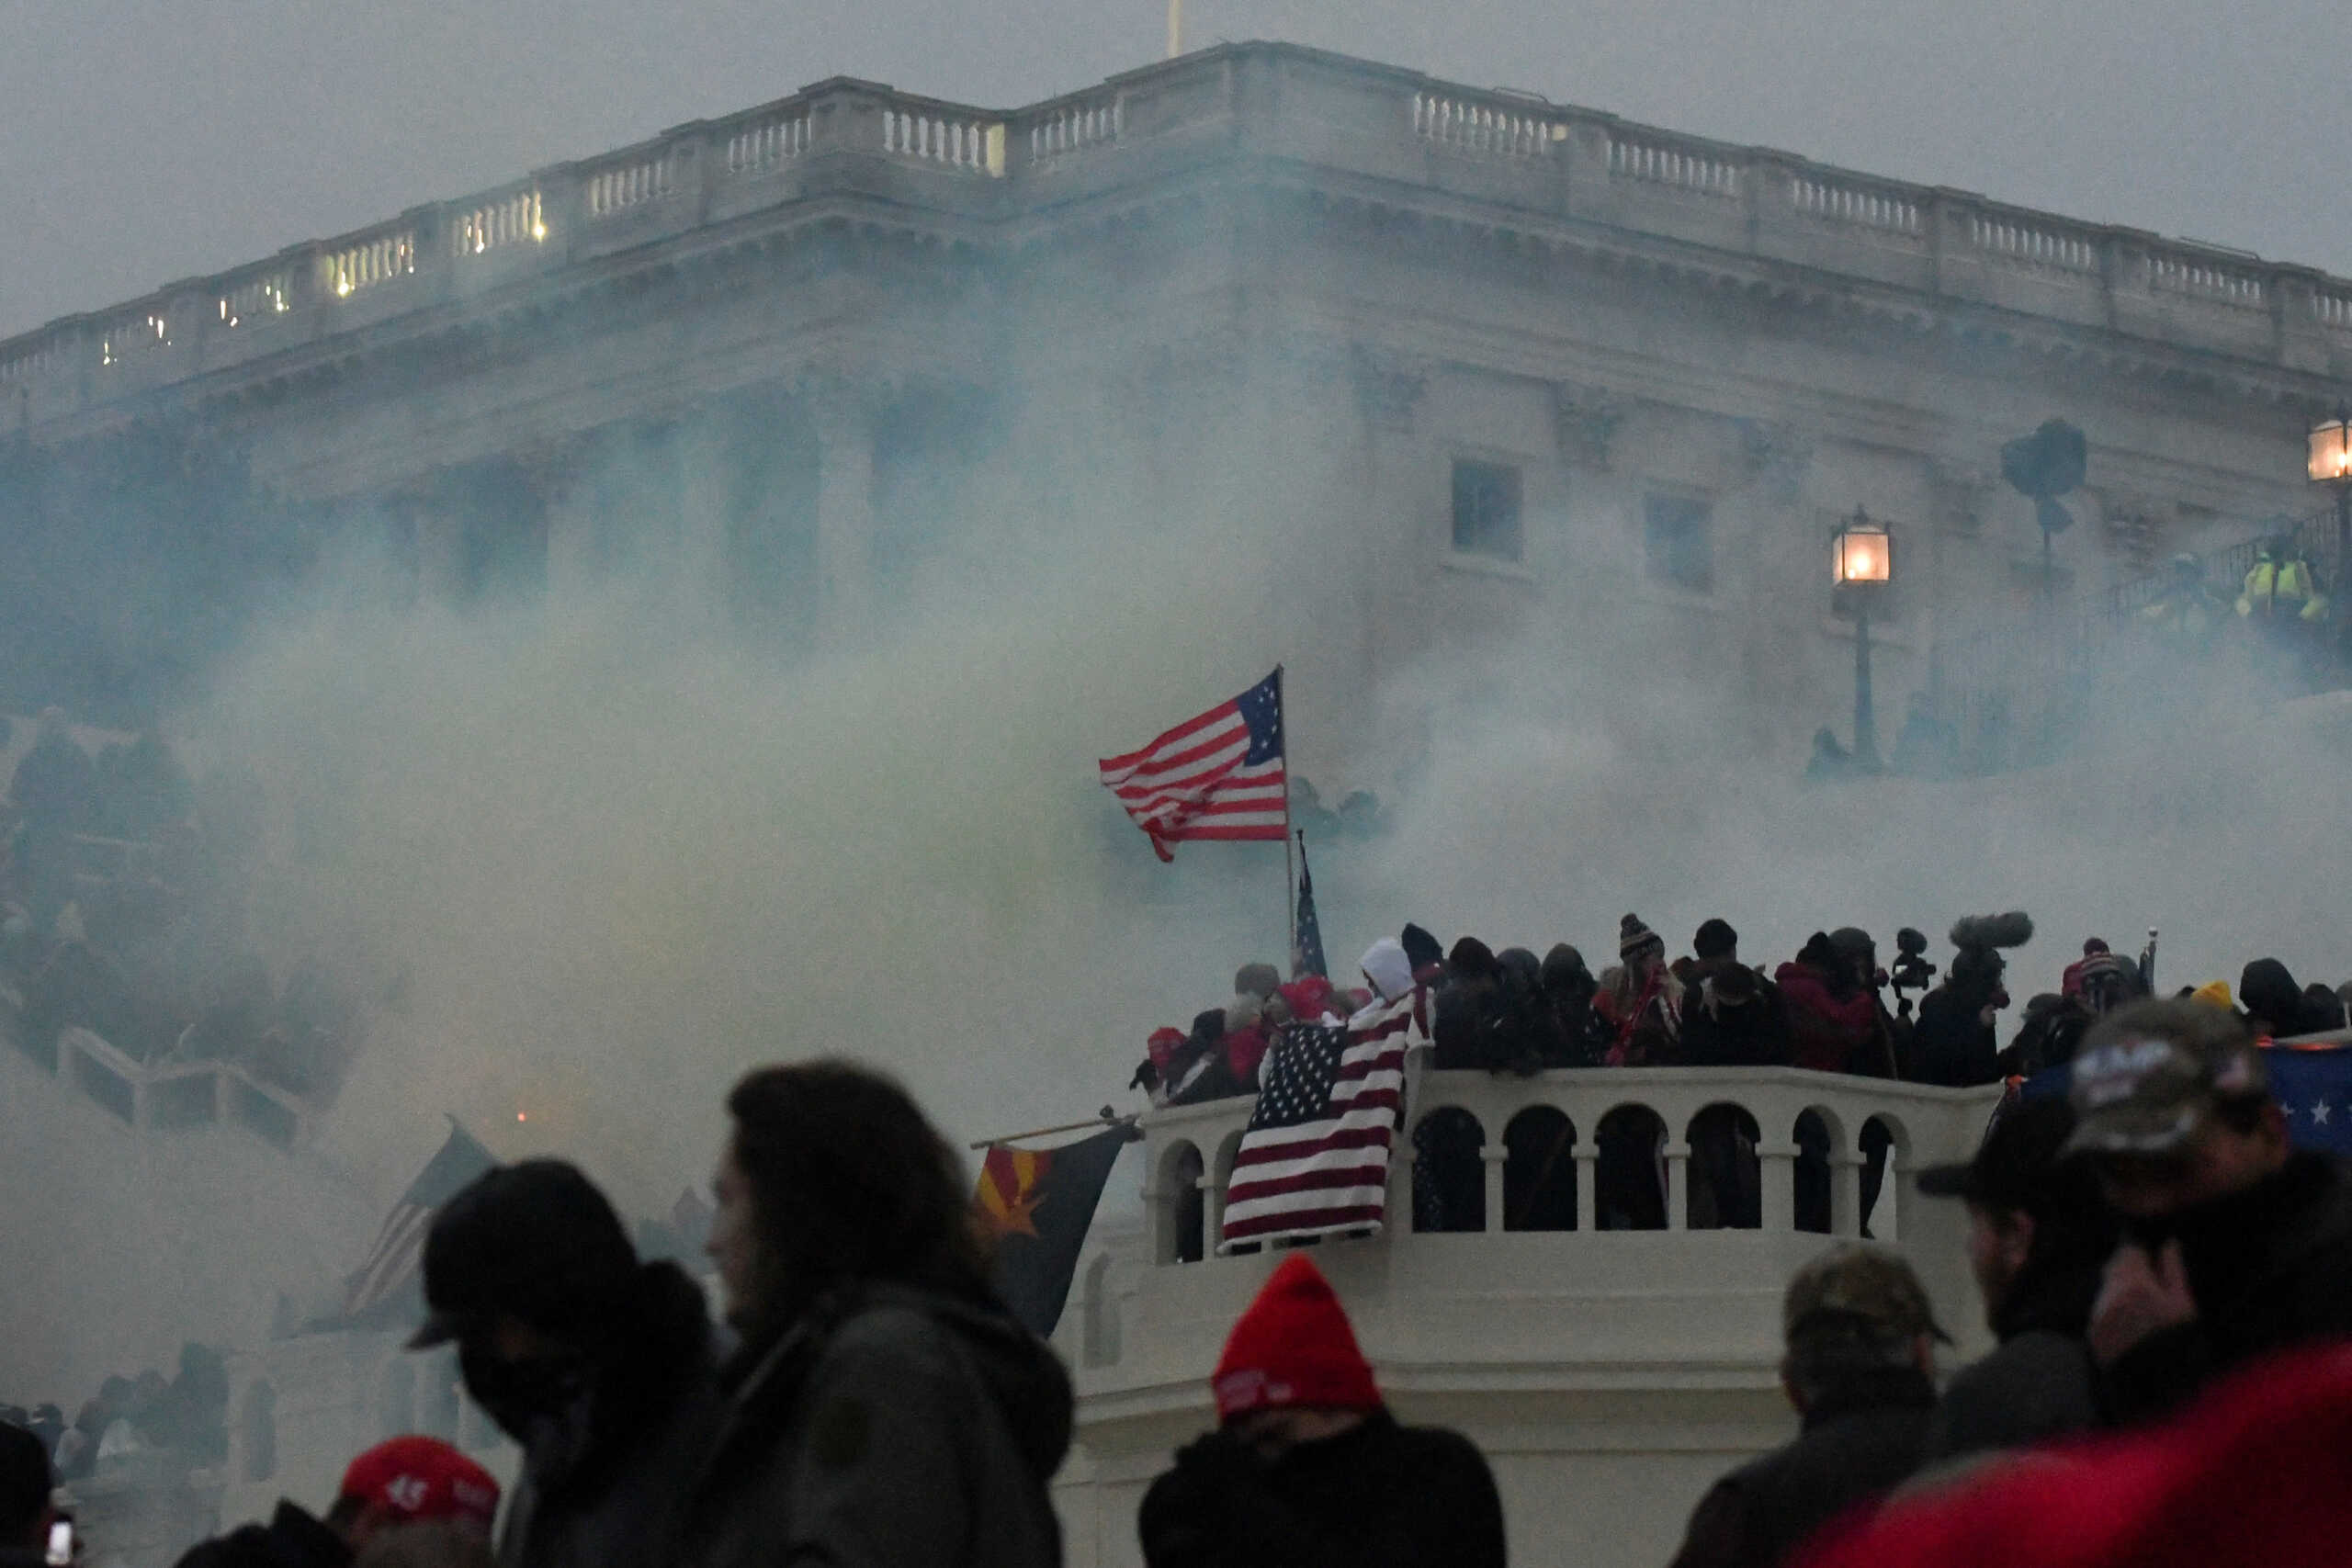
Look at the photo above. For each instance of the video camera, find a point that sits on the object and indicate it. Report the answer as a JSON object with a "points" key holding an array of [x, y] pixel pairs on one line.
{"points": [[1912, 971]]}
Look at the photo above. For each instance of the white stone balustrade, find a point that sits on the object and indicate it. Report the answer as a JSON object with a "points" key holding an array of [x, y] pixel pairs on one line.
{"points": [[382, 258], [764, 144], [1664, 163], [1863, 205], [518, 218], [1572, 165], [953, 141], [170, 1096], [1469, 125], [618, 188]]}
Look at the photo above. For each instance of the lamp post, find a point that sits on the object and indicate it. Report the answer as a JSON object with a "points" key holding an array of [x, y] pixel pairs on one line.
{"points": [[2331, 465], [1861, 567]]}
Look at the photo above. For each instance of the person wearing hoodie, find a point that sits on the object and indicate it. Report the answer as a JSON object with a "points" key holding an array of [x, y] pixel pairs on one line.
{"points": [[602, 1368], [1469, 1009], [1569, 989], [1424, 953], [1307, 1469], [1833, 1017], [1732, 1019], [2275, 1003], [2038, 1237], [885, 1409]]}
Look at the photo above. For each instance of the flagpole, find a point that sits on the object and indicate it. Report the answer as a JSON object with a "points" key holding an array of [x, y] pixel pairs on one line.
{"points": [[1098, 1124], [1289, 875]]}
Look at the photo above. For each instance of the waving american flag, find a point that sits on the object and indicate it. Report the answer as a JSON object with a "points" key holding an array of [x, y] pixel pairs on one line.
{"points": [[1220, 775]]}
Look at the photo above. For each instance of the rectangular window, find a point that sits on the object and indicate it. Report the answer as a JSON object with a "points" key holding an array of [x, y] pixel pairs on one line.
{"points": [[1678, 542], [1486, 509]]}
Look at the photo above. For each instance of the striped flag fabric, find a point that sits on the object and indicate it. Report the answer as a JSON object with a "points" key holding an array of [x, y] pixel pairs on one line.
{"points": [[1314, 1160], [1220, 775], [394, 1260]]}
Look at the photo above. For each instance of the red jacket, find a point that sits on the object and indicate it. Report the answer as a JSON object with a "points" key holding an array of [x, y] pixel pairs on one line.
{"points": [[1827, 1032], [2258, 1472]]}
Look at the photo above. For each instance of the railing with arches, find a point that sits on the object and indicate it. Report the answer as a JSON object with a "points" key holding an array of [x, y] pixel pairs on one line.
{"points": [[1667, 1149]]}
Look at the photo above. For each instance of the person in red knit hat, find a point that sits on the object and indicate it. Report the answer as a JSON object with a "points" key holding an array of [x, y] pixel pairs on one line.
{"points": [[405, 1481], [1307, 1468]]}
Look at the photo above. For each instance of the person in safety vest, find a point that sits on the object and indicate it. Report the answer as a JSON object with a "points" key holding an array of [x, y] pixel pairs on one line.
{"points": [[2282, 586], [2191, 611]]}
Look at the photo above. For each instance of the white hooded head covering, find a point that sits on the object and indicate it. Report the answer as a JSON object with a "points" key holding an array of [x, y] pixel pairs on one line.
{"points": [[1385, 965]]}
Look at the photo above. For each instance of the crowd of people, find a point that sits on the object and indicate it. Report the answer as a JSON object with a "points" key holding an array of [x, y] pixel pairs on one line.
{"points": [[123, 900], [2144, 1234], [184, 1418]]}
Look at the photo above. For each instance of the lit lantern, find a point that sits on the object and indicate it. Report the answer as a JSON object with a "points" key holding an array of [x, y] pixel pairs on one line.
{"points": [[1861, 553], [2331, 449]]}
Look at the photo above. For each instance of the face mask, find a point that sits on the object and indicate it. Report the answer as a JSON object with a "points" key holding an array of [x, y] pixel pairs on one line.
{"points": [[521, 1394]]}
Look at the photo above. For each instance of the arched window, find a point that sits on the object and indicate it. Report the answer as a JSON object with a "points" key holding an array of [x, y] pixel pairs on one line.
{"points": [[257, 1432], [1883, 1146], [1727, 1187], [396, 1398], [1540, 1172], [1186, 1206], [1630, 1186], [1448, 1180], [1100, 1340], [1815, 1143]]}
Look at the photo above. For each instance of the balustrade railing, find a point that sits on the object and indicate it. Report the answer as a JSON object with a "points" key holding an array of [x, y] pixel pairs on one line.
{"points": [[857, 119], [1775, 1149], [1072, 128], [367, 262], [954, 142], [1468, 126], [1661, 163], [1858, 205], [763, 145], [617, 189], [518, 218], [2034, 243]]}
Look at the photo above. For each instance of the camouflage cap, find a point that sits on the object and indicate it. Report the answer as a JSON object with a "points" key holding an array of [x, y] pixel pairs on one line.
{"points": [[1866, 1285], [2150, 1077]]}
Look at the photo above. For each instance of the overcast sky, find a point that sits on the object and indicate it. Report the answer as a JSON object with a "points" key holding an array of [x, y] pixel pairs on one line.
{"points": [[146, 140]]}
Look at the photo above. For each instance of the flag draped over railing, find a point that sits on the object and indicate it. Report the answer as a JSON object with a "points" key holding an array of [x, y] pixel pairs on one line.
{"points": [[1220, 775]]}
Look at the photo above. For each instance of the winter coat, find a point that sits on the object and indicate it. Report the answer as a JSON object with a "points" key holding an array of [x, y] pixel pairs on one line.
{"points": [[1467, 1028], [292, 1539], [2260, 1473], [889, 1427], [1717, 1033], [2040, 1383], [1379, 1496], [1642, 1025], [1952, 1044], [2270, 1267], [1830, 1032], [1859, 1443], [602, 1490]]}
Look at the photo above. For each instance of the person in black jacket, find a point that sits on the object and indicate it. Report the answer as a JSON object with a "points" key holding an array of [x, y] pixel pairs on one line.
{"points": [[1307, 1468], [602, 1368], [886, 1410], [2235, 1245], [2038, 1237], [1954, 1043], [26, 1482], [1859, 1369]]}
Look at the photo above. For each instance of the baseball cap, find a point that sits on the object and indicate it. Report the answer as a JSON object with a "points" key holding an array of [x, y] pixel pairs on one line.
{"points": [[2020, 1165], [2150, 1077], [1864, 1284], [422, 1477], [535, 1239]]}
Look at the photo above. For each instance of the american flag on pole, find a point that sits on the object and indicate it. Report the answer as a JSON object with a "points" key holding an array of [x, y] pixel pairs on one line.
{"points": [[1217, 776], [393, 1262], [1315, 1157]]}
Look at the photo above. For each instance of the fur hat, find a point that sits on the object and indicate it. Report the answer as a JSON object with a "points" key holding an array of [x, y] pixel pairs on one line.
{"points": [[1632, 936]]}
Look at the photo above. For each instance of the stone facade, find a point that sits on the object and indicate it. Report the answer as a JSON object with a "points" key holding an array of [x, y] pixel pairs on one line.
{"points": [[1472, 354]]}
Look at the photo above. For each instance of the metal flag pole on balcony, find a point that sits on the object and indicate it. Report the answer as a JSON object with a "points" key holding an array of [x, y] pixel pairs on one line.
{"points": [[1175, 28]]}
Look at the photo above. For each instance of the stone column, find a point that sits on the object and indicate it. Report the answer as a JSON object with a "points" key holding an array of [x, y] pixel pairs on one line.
{"points": [[1400, 1186], [1776, 1169], [1493, 1156], [1212, 1213], [1587, 1158], [1886, 1214], [1677, 1186], [844, 427], [1845, 1192]]}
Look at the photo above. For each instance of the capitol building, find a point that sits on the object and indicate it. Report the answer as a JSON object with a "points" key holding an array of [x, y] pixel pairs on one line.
{"points": [[1470, 358]]}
